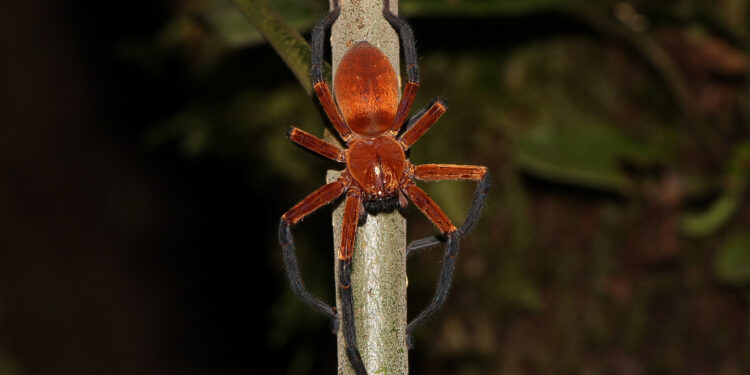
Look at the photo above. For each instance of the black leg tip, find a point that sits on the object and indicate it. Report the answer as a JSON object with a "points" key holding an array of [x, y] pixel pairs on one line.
{"points": [[283, 232], [409, 341], [442, 101], [362, 219], [335, 325], [486, 182]]}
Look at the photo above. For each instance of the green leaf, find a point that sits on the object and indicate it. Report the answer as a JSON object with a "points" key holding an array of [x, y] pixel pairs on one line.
{"points": [[587, 154], [701, 224], [732, 265]]}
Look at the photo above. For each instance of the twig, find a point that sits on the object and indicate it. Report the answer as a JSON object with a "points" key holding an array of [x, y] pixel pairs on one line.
{"points": [[288, 43], [379, 261]]}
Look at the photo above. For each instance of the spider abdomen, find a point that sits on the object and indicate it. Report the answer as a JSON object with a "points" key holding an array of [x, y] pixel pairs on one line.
{"points": [[366, 88], [377, 165]]}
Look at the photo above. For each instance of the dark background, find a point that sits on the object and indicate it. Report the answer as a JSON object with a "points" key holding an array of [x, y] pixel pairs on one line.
{"points": [[143, 169]]}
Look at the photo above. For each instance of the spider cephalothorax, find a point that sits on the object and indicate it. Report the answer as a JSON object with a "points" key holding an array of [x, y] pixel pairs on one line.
{"points": [[368, 115]]}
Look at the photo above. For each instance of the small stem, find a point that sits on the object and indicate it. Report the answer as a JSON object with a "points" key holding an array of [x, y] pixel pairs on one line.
{"points": [[379, 261], [287, 42]]}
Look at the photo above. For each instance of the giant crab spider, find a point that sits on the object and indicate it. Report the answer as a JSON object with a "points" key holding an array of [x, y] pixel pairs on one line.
{"points": [[368, 116]]}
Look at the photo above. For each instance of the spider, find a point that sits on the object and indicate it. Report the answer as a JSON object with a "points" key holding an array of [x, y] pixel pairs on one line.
{"points": [[368, 116]]}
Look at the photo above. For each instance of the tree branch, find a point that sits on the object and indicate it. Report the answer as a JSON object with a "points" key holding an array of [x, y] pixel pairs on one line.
{"points": [[379, 261]]}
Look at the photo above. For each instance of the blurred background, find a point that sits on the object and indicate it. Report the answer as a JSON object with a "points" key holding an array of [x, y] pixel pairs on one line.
{"points": [[144, 167]]}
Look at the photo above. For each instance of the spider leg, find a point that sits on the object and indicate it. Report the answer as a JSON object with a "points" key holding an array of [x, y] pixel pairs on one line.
{"points": [[420, 125], [348, 233], [416, 116], [311, 203], [437, 172], [428, 207], [442, 288], [316, 73], [422, 243], [315, 144], [362, 215], [433, 212], [442, 172], [412, 69]]}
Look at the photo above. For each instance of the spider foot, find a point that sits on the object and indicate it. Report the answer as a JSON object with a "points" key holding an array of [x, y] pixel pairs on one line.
{"points": [[335, 324], [362, 219], [334, 316], [409, 341]]}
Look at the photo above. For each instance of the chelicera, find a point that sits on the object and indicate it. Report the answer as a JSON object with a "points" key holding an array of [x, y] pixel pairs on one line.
{"points": [[368, 115]]}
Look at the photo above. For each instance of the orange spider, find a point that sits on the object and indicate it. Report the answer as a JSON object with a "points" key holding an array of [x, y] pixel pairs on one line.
{"points": [[368, 116]]}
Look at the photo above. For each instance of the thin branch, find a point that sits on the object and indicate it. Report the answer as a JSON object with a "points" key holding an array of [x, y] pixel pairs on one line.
{"points": [[288, 43], [379, 261]]}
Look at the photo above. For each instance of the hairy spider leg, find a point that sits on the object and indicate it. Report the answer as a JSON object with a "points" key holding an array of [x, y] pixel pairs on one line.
{"points": [[442, 288], [428, 207], [348, 234], [319, 198], [412, 69], [423, 243], [315, 144], [423, 123], [347, 316], [316, 72], [349, 225], [442, 172]]}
